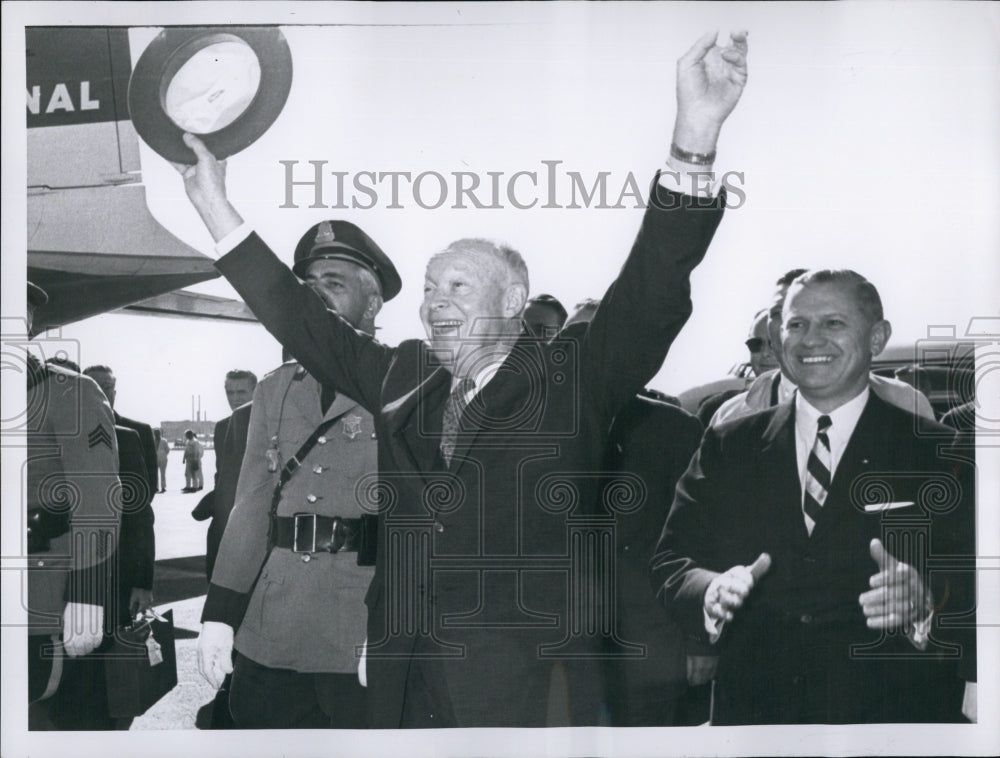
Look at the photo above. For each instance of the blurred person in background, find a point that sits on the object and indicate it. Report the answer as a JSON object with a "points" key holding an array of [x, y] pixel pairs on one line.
{"points": [[162, 457], [193, 452], [229, 441]]}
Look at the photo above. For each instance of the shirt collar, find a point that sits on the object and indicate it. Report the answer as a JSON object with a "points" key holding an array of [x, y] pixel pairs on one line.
{"points": [[487, 369], [843, 419]]}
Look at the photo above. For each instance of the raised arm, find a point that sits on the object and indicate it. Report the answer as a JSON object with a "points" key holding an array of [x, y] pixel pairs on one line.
{"points": [[329, 348], [645, 308]]}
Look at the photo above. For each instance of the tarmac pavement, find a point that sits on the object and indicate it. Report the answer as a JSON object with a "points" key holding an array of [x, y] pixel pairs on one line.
{"points": [[179, 584]]}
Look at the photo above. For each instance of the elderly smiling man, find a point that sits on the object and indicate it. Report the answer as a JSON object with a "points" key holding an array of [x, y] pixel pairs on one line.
{"points": [[475, 609], [806, 542]]}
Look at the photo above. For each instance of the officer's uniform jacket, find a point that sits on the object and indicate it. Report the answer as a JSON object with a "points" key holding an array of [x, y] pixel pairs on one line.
{"points": [[306, 611], [72, 463]]}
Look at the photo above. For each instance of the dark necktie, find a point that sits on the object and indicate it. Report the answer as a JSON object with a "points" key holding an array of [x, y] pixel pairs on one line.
{"points": [[817, 480], [454, 407]]}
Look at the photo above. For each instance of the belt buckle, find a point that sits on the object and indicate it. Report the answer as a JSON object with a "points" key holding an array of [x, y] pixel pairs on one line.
{"points": [[295, 532], [338, 535]]}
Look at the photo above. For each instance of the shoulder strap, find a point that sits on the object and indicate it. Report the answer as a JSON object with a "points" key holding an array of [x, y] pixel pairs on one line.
{"points": [[290, 467]]}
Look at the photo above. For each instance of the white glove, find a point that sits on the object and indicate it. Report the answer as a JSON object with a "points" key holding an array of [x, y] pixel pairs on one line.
{"points": [[363, 664], [83, 628], [215, 652]]}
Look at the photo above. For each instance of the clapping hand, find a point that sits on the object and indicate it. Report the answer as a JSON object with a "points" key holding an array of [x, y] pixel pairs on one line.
{"points": [[727, 591], [898, 598]]}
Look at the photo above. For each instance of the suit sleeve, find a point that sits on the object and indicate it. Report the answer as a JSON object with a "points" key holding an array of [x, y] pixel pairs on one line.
{"points": [[955, 590], [327, 346], [677, 568], [644, 309], [136, 542], [218, 442], [149, 456], [244, 543]]}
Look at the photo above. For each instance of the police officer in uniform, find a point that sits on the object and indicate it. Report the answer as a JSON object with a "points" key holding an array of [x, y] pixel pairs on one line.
{"points": [[299, 523], [73, 512]]}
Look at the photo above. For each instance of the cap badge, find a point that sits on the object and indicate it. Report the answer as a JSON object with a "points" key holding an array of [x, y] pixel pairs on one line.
{"points": [[325, 235]]}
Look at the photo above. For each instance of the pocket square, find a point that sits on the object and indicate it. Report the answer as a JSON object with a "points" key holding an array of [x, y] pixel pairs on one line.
{"points": [[878, 507]]}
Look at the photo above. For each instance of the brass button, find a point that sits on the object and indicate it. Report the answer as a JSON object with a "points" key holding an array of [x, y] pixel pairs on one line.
{"points": [[321, 440], [306, 557], [317, 469], [806, 618], [438, 527], [311, 498]]}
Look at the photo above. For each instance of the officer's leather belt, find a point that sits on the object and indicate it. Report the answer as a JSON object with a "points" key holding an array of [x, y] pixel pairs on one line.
{"points": [[312, 533]]}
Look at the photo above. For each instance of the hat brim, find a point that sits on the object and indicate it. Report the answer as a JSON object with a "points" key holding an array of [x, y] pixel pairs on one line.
{"points": [[36, 295], [164, 56], [387, 275]]}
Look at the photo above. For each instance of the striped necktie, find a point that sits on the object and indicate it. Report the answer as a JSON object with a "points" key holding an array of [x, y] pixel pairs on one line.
{"points": [[454, 407], [817, 481]]}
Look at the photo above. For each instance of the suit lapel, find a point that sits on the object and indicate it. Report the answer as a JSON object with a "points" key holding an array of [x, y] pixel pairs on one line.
{"points": [[779, 462], [414, 420], [341, 405], [306, 399], [509, 389]]}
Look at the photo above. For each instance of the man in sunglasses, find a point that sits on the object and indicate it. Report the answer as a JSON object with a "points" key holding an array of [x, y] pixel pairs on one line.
{"points": [[762, 357]]}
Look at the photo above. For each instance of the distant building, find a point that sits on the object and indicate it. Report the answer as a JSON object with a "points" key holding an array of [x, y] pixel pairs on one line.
{"points": [[173, 431]]}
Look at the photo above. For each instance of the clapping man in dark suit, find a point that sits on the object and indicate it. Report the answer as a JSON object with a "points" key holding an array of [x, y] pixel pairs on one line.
{"points": [[802, 539], [482, 429]]}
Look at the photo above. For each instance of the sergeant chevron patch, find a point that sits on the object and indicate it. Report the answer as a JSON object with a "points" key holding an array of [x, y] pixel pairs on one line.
{"points": [[99, 435]]}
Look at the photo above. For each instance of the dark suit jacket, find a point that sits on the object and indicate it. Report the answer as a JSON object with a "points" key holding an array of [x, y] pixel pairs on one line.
{"points": [[148, 447], [649, 447], [474, 560], [230, 442], [799, 649], [136, 542]]}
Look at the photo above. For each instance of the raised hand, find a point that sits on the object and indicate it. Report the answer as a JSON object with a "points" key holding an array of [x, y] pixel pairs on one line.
{"points": [[710, 81], [898, 598], [727, 591], [205, 184]]}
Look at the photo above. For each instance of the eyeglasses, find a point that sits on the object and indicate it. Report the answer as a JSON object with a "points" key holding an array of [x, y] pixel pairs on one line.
{"points": [[755, 344]]}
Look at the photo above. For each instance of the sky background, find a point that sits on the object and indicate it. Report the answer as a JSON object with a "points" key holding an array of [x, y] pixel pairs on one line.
{"points": [[866, 137]]}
